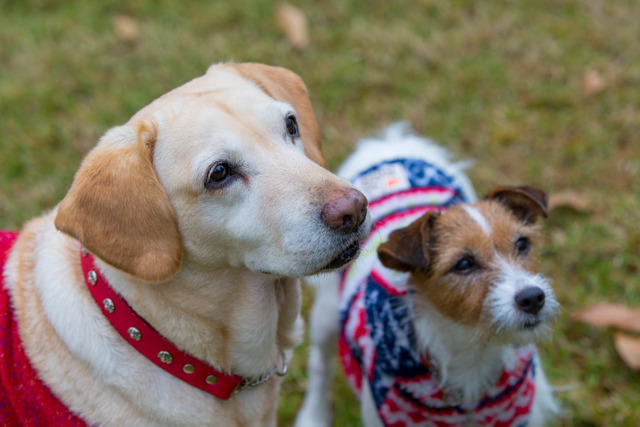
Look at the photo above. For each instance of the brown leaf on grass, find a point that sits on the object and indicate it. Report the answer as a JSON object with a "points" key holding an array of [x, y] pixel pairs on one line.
{"points": [[593, 83], [126, 28], [294, 24], [628, 347], [609, 315], [569, 199]]}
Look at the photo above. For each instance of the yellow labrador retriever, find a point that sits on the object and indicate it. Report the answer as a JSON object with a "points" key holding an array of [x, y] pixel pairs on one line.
{"points": [[162, 290]]}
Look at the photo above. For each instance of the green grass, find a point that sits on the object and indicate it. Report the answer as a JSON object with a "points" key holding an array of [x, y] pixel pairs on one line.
{"points": [[500, 82]]}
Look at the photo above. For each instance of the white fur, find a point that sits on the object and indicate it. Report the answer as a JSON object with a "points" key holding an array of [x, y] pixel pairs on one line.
{"points": [[506, 319], [368, 410], [478, 218], [323, 324]]}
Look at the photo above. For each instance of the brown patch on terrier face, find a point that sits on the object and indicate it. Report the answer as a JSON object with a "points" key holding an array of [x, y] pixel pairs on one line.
{"points": [[463, 251]]}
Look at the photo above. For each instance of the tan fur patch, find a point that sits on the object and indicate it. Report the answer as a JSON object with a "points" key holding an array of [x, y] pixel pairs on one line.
{"points": [[119, 211]]}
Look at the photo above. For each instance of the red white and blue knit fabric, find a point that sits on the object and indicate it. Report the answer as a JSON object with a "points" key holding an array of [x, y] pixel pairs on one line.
{"points": [[24, 399], [377, 338]]}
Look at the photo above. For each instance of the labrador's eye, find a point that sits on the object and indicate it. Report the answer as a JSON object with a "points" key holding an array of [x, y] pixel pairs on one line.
{"points": [[292, 125], [217, 174]]}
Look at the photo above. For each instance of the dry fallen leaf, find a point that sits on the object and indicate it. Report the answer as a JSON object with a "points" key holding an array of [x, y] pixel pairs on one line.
{"points": [[593, 82], [606, 315], [569, 199], [126, 28], [628, 347], [294, 24]]}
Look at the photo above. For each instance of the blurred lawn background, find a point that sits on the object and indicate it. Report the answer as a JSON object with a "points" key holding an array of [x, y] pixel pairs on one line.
{"points": [[537, 92]]}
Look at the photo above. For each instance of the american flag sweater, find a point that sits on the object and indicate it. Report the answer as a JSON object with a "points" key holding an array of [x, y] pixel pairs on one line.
{"points": [[377, 338]]}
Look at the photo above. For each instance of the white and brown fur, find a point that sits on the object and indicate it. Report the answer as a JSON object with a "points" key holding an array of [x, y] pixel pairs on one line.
{"points": [[474, 291], [208, 257]]}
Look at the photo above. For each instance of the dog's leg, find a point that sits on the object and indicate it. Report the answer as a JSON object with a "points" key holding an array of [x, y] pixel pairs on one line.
{"points": [[368, 410], [324, 326], [544, 407]]}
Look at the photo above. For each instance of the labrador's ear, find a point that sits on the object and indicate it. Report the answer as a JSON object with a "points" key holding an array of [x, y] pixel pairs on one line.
{"points": [[117, 208], [527, 203], [286, 86], [407, 248]]}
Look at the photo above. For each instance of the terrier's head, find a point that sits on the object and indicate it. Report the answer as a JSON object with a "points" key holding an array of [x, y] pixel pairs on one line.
{"points": [[477, 264]]}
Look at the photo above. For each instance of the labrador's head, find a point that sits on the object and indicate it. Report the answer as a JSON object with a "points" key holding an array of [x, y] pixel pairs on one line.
{"points": [[225, 171]]}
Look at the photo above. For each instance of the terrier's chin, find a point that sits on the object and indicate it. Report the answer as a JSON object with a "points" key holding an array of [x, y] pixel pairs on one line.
{"points": [[516, 335]]}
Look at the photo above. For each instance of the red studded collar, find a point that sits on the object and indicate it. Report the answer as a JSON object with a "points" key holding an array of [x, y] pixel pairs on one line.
{"points": [[151, 344]]}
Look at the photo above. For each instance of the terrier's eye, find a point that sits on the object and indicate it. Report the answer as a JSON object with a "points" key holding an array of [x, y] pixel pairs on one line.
{"points": [[523, 244], [465, 265], [292, 125]]}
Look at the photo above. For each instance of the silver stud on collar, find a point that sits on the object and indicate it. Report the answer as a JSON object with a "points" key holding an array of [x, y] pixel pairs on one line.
{"points": [[84, 253], [211, 379], [188, 369], [165, 356], [108, 305], [92, 276], [134, 333]]}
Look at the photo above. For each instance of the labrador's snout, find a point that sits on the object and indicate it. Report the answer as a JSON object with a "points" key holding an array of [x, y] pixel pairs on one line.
{"points": [[344, 210]]}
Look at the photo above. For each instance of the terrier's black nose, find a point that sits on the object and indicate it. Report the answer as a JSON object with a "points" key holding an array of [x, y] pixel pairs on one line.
{"points": [[530, 300]]}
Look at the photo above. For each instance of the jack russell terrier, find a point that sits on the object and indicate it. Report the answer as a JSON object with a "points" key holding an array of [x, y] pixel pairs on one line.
{"points": [[436, 319]]}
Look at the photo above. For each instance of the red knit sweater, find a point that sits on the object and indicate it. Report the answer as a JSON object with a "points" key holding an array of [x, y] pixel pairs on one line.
{"points": [[24, 399]]}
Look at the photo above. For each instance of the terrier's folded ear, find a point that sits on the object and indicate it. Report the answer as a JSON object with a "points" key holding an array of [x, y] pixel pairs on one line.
{"points": [[408, 248]]}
